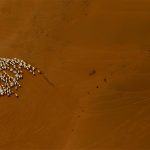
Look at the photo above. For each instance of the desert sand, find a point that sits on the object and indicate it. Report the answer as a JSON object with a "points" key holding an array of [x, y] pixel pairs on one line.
{"points": [[94, 93]]}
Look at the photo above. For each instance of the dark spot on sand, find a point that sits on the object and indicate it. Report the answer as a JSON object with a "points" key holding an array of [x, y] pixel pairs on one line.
{"points": [[105, 80], [92, 72], [72, 130], [47, 34], [82, 110], [88, 93], [97, 86]]}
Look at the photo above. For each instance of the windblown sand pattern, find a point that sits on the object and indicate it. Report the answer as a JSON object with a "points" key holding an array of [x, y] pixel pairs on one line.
{"points": [[11, 72]]}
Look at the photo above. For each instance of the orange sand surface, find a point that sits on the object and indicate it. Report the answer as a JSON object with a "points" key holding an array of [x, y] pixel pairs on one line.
{"points": [[94, 93]]}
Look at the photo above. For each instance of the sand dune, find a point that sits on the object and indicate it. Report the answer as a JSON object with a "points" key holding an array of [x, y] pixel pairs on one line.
{"points": [[95, 90]]}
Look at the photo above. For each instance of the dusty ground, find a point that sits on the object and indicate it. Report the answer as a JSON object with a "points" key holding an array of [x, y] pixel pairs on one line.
{"points": [[95, 56]]}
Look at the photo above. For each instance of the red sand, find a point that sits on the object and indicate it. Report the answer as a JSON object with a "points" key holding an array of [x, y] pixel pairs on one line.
{"points": [[71, 107]]}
